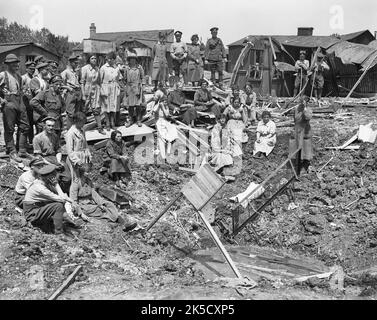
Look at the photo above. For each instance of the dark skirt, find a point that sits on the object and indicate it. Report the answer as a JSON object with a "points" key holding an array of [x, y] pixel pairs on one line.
{"points": [[119, 166]]}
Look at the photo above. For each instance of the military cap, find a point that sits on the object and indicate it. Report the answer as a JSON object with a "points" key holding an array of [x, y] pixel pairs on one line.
{"points": [[302, 52], [30, 64], [178, 32], [56, 78], [48, 118], [10, 58], [73, 57], [37, 162], [194, 36], [41, 65], [214, 29], [44, 171], [39, 58]]}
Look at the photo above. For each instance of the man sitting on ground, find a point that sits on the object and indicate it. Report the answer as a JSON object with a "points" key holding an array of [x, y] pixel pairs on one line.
{"points": [[26, 179], [44, 203]]}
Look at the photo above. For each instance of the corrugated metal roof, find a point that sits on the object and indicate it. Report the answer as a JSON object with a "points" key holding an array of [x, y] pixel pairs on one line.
{"points": [[296, 41], [350, 52], [121, 37]]}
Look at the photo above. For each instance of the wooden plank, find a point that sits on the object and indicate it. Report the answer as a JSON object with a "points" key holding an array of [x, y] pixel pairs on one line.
{"points": [[65, 284], [220, 245]]}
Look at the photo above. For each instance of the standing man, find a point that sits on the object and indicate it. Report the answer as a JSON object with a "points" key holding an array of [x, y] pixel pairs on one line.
{"points": [[13, 108], [302, 67], [178, 52], [53, 67], [49, 103], [319, 67], [73, 98], [26, 79], [160, 63], [39, 82], [90, 90], [215, 56], [79, 156]]}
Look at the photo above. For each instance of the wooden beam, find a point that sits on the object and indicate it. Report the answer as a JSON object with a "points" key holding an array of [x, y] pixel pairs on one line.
{"points": [[65, 284]]}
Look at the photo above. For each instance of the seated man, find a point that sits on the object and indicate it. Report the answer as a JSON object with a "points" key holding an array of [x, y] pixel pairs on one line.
{"points": [[178, 106], [203, 100], [26, 179], [44, 202], [47, 146]]}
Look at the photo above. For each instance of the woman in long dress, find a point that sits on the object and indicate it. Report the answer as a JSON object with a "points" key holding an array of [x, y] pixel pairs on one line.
{"points": [[166, 132], [117, 161], [236, 124], [160, 63], [194, 61], [266, 136], [109, 76], [221, 155]]}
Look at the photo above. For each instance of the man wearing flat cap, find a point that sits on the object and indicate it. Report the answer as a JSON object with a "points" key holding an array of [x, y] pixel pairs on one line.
{"points": [[26, 179], [215, 56], [302, 66], [49, 103], [39, 82], [27, 95], [44, 204], [318, 79], [13, 108], [178, 52], [73, 98], [53, 67]]}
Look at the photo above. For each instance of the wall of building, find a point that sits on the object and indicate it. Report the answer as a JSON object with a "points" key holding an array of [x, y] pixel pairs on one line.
{"points": [[27, 53]]}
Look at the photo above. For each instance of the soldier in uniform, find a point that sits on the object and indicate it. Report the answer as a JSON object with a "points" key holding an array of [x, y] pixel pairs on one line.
{"points": [[53, 67], [215, 56], [26, 79], [13, 108], [302, 67], [39, 82], [178, 52], [49, 103], [73, 98], [160, 63]]}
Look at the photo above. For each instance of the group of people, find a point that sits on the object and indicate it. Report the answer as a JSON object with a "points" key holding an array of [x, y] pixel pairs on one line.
{"points": [[189, 59]]}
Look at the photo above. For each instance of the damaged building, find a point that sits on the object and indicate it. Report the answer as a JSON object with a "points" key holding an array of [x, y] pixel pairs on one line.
{"points": [[268, 61]]}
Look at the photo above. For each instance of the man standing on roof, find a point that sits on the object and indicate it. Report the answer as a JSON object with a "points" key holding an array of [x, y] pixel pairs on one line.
{"points": [[178, 52], [302, 66], [26, 79], [13, 108], [318, 79], [215, 56], [73, 98]]}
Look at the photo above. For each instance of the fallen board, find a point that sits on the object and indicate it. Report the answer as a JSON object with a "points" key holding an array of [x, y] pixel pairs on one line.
{"points": [[134, 130]]}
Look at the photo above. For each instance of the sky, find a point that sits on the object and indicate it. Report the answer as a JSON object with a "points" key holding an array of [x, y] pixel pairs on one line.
{"points": [[235, 18]]}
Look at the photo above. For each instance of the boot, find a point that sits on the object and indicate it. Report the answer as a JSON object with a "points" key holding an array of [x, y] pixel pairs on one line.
{"points": [[112, 120], [13, 156], [99, 124], [107, 119]]}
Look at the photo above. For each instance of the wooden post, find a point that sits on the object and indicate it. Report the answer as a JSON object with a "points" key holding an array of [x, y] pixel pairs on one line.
{"points": [[220, 245], [168, 206], [65, 284]]}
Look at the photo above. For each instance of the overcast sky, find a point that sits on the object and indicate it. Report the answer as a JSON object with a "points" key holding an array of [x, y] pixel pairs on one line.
{"points": [[235, 18]]}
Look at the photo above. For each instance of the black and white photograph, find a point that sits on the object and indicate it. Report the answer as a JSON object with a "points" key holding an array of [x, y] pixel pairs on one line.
{"points": [[213, 152]]}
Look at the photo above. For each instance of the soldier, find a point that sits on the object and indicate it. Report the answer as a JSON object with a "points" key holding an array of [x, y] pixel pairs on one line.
{"points": [[13, 108], [26, 79], [90, 90], [302, 67], [318, 78], [53, 67], [38, 60], [160, 63], [73, 98], [39, 82], [49, 103], [215, 56], [178, 52]]}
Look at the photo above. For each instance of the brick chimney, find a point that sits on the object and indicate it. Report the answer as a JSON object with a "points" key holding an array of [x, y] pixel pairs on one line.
{"points": [[93, 30], [305, 31]]}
